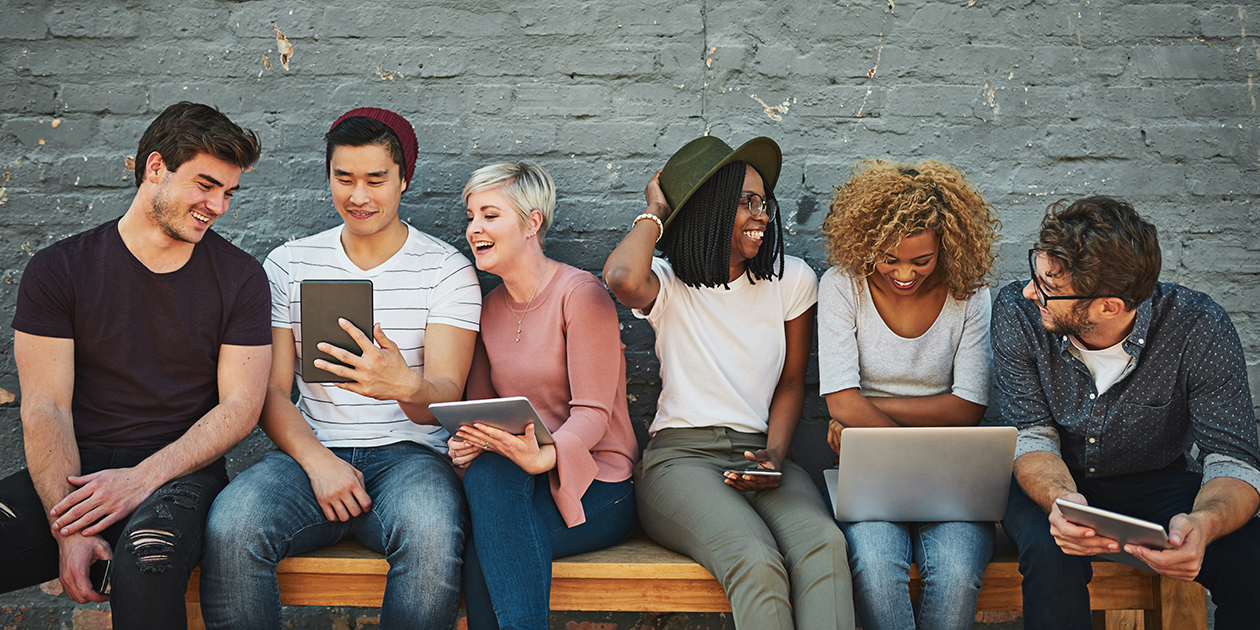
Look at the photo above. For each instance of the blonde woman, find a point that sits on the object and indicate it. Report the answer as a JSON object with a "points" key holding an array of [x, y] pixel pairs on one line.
{"points": [[549, 333]]}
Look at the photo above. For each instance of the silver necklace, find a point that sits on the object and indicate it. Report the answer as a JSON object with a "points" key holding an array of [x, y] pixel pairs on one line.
{"points": [[520, 321]]}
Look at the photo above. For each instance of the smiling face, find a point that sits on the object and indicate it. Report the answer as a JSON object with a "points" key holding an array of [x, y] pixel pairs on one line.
{"points": [[495, 232], [1060, 317], [367, 187], [186, 202], [749, 232], [903, 269]]}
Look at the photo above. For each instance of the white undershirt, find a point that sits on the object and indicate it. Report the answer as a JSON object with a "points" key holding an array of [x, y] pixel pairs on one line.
{"points": [[1107, 365]]}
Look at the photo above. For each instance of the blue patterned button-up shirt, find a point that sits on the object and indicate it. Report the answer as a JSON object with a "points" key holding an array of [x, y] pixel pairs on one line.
{"points": [[1186, 384]]}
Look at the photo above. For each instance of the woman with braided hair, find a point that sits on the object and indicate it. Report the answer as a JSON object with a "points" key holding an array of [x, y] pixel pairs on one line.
{"points": [[904, 341], [734, 319]]}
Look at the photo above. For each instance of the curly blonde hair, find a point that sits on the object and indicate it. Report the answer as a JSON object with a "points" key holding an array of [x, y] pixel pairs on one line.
{"points": [[885, 201]]}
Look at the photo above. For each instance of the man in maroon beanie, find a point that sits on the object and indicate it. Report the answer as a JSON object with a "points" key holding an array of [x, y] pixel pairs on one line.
{"points": [[363, 458]]}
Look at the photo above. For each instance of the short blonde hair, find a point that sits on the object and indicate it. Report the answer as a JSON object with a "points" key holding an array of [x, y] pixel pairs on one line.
{"points": [[527, 186], [885, 201]]}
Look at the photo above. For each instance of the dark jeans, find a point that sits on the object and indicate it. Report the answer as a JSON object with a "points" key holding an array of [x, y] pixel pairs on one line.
{"points": [[517, 531], [1055, 584], [150, 568]]}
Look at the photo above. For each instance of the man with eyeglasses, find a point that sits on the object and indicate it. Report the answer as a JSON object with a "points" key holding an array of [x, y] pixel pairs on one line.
{"points": [[1130, 395]]}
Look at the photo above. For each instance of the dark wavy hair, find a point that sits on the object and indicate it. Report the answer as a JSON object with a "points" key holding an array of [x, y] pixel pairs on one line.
{"points": [[698, 243], [185, 129], [1103, 247]]}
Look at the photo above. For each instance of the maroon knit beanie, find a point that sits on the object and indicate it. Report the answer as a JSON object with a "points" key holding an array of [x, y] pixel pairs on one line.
{"points": [[397, 124]]}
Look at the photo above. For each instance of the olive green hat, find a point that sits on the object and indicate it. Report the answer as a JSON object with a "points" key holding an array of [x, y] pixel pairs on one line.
{"points": [[699, 159]]}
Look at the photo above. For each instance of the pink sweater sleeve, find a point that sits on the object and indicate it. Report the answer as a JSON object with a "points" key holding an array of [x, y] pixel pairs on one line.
{"points": [[596, 369]]}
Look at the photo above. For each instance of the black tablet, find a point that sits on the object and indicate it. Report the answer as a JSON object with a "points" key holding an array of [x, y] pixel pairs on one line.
{"points": [[323, 303]]}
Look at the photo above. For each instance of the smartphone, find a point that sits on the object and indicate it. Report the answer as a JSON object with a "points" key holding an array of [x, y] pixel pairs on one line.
{"points": [[98, 574], [755, 472]]}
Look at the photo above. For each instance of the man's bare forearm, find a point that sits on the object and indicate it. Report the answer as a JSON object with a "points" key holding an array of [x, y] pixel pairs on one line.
{"points": [[52, 454], [1225, 504], [438, 390], [207, 440], [243, 383], [1044, 477]]}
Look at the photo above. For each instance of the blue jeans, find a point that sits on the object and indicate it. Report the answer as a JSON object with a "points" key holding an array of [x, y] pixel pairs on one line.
{"points": [[269, 512], [517, 531], [951, 558], [1056, 594]]}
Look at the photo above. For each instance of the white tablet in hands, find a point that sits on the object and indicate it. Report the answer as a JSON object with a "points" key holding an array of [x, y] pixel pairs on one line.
{"points": [[510, 414], [1123, 529]]}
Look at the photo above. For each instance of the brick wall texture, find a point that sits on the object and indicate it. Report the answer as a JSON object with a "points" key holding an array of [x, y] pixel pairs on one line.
{"points": [[1155, 103]]}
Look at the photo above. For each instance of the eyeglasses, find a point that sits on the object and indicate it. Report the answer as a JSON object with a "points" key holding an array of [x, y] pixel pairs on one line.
{"points": [[758, 205], [1042, 297]]}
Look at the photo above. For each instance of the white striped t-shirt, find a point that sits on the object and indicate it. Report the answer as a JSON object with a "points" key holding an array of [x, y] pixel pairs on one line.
{"points": [[427, 281]]}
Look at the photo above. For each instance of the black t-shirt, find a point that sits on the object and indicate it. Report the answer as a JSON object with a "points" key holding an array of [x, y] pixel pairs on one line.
{"points": [[146, 345]]}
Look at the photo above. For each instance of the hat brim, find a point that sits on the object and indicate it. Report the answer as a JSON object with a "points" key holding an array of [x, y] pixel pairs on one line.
{"points": [[762, 153]]}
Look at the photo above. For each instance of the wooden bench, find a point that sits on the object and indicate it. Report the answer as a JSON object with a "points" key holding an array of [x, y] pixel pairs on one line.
{"points": [[641, 576]]}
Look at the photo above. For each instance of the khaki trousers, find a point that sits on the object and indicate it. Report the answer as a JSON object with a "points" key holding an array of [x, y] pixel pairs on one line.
{"points": [[778, 553]]}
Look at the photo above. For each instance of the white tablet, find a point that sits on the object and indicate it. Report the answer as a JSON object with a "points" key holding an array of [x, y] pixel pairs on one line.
{"points": [[510, 414], [1118, 527]]}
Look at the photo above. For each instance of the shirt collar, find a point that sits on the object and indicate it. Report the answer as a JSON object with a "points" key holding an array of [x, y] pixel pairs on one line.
{"points": [[1136, 341], [1133, 344]]}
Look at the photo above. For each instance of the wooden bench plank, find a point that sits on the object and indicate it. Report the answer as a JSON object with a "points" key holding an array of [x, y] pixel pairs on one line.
{"points": [[640, 575]]}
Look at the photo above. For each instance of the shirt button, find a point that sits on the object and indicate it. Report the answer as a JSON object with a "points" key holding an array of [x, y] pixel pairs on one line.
{"points": [[1141, 341], [1091, 470], [1092, 440], [1091, 396]]}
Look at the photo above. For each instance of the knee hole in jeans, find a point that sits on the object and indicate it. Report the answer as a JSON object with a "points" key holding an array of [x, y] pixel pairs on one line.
{"points": [[152, 549]]}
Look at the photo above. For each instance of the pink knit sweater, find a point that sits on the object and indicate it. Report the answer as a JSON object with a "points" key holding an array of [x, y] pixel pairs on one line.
{"points": [[571, 364]]}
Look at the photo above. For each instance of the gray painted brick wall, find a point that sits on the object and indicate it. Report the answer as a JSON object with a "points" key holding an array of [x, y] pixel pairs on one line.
{"points": [[1034, 100]]}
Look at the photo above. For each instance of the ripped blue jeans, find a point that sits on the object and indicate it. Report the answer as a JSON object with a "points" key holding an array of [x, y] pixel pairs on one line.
{"points": [[155, 549]]}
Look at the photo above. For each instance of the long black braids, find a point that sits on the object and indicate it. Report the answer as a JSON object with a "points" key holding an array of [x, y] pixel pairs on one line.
{"points": [[698, 244]]}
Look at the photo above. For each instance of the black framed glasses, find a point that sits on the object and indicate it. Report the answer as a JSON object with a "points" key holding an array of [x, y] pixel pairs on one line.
{"points": [[758, 205], [1042, 296]]}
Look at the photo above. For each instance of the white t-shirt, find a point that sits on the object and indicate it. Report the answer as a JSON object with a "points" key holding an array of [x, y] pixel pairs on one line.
{"points": [[425, 282], [722, 351], [857, 349], [1107, 365]]}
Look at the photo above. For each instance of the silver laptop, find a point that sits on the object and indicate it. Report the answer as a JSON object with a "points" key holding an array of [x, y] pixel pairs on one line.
{"points": [[923, 474]]}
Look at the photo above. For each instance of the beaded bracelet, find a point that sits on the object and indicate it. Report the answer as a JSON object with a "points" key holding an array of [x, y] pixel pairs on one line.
{"points": [[648, 215]]}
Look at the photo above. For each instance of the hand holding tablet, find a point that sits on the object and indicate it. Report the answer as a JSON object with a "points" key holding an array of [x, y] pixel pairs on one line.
{"points": [[1125, 530], [508, 414]]}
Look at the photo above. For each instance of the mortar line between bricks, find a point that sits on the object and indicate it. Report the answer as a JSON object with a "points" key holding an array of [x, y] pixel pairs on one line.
{"points": [[704, 52]]}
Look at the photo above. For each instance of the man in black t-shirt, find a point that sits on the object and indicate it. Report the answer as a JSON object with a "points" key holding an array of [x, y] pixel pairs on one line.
{"points": [[143, 347]]}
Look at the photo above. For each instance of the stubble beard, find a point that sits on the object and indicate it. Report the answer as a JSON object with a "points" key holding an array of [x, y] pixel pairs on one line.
{"points": [[1072, 324], [162, 211]]}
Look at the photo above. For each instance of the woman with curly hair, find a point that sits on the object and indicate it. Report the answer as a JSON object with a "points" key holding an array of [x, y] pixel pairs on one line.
{"points": [[904, 341]]}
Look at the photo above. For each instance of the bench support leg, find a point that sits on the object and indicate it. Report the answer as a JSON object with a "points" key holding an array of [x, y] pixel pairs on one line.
{"points": [[194, 616], [1124, 619], [1178, 605]]}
